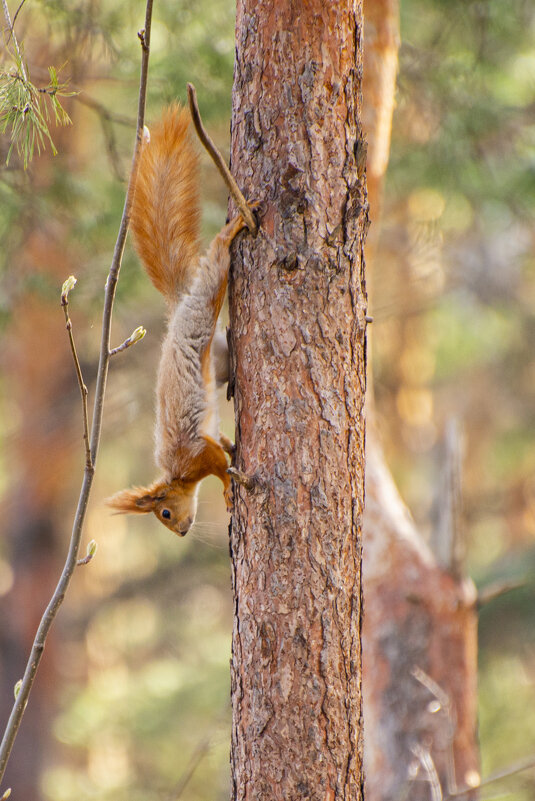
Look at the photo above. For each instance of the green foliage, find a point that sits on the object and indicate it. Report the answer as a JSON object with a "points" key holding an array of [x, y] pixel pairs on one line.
{"points": [[26, 111], [469, 337], [504, 679], [467, 83], [157, 652]]}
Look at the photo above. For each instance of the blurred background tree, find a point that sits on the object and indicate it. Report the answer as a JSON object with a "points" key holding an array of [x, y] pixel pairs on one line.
{"points": [[453, 324], [134, 689]]}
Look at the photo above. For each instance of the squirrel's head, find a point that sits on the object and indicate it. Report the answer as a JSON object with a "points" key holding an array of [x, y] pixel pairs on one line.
{"points": [[174, 504]]}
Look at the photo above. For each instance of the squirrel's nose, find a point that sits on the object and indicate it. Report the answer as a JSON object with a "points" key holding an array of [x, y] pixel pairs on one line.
{"points": [[185, 526]]}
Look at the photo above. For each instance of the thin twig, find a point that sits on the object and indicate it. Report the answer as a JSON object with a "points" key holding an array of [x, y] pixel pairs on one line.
{"points": [[85, 560], [136, 335], [516, 767], [12, 33], [199, 752], [79, 376], [91, 551], [113, 275], [497, 589], [74, 544], [426, 761], [219, 162], [196, 758], [15, 43], [16, 14], [431, 685], [448, 541], [107, 119], [444, 705], [81, 96]]}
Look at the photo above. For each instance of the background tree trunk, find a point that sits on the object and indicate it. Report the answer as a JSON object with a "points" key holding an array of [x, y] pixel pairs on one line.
{"points": [[420, 626], [381, 45], [420, 656], [297, 309]]}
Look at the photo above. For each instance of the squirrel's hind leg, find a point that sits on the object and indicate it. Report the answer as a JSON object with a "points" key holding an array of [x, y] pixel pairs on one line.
{"points": [[220, 357], [227, 445]]}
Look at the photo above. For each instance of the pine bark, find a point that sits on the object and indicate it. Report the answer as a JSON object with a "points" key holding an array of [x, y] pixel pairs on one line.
{"points": [[298, 323]]}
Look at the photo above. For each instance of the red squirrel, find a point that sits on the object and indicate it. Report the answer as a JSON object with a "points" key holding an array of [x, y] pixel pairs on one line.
{"points": [[194, 357]]}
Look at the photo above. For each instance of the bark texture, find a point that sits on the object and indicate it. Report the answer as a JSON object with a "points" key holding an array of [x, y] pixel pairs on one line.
{"points": [[297, 308]]}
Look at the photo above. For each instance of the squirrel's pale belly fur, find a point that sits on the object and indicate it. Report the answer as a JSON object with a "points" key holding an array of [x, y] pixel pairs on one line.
{"points": [[186, 408], [165, 224]]}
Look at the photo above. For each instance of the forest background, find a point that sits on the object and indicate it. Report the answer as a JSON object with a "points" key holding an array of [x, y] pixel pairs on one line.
{"points": [[133, 691]]}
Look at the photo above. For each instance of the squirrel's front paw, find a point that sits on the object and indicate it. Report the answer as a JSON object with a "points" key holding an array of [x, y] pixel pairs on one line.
{"points": [[249, 482]]}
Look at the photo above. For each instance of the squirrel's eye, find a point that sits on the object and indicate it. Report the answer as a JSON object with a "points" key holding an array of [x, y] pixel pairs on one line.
{"points": [[166, 514]]}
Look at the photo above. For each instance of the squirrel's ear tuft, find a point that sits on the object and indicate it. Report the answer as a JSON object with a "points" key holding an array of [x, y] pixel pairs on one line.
{"points": [[138, 500]]}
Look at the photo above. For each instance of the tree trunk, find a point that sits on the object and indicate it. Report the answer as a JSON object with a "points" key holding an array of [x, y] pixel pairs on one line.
{"points": [[420, 627], [381, 45], [298, 322], [420, 657]]}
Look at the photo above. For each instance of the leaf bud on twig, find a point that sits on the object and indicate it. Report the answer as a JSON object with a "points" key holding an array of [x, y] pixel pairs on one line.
{"points": [[66, 288], [92, 546], [137, 334]]}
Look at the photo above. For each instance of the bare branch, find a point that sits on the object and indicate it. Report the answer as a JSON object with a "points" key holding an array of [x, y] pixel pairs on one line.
{"points": [[219, 162], [69, 283], [497, 589], [15, 42], [103, 112], [199, 752], [81, 96], [426, 761], [16, 14], [107, 120], [431, 685], [202, 748], [442, 704], [512, 770], [55, 602], [113, 276], [447, 536]]}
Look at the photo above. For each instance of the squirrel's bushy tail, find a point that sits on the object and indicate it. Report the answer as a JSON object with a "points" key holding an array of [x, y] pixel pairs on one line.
{"points": [[165, 211]]}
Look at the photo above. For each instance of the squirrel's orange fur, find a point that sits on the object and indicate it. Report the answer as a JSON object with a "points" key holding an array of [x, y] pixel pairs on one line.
{"points": [[165, 224], [165, 214]]}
